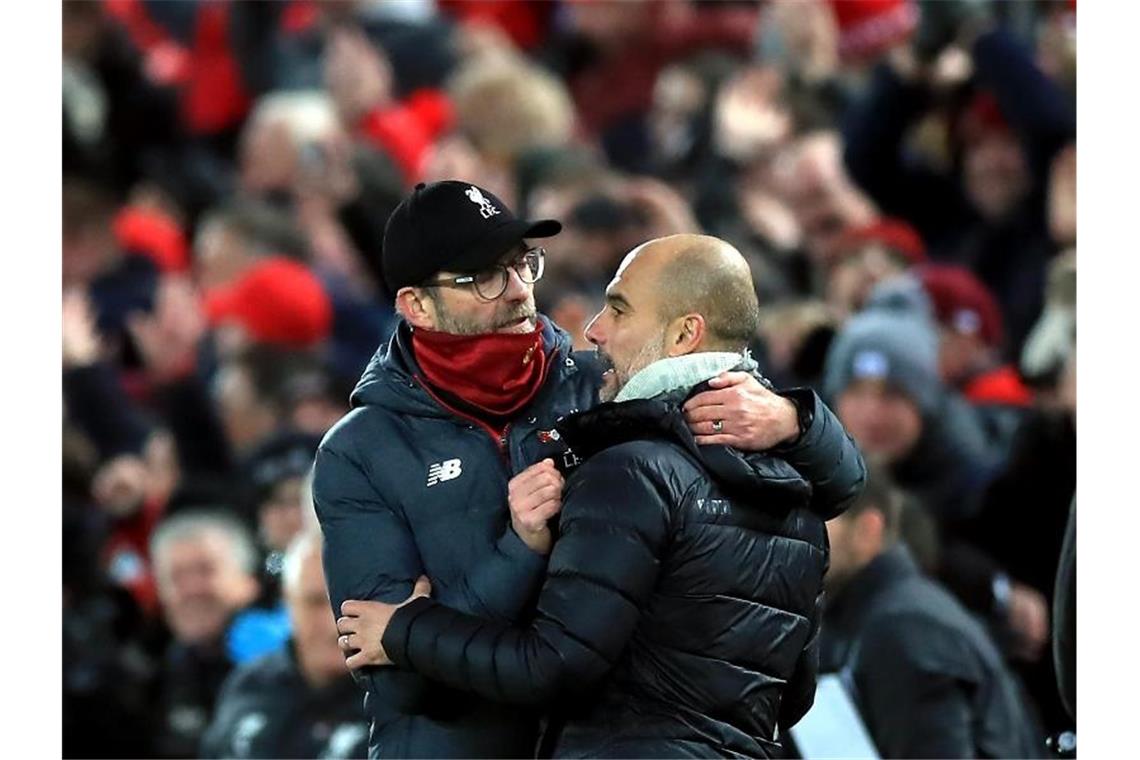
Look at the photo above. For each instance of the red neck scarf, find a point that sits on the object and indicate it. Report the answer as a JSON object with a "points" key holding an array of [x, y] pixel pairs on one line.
{"points": [[496, 374]]}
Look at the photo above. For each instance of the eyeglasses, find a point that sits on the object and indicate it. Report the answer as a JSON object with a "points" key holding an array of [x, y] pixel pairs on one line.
{"points": [[492, 283]]}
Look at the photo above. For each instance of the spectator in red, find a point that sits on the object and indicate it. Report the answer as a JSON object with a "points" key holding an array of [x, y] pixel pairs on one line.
{"points": [[867, 255], [970, 328], [276, 301]]}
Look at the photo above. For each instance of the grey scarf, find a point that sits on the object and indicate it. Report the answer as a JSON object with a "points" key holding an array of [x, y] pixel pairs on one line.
{"points": [[679, 372]]}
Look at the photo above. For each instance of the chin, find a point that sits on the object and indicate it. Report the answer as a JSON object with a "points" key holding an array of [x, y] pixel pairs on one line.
{"points": [[610, 387]]}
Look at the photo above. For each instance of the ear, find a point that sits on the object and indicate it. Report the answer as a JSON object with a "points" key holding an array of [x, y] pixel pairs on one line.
{"points": [[414, 305], [685, 335]]}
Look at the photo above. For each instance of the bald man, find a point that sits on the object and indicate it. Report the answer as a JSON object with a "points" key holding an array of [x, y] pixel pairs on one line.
{"points": [[680, 610]]}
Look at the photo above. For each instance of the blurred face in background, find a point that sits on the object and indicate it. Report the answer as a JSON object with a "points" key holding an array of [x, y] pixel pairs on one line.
{"points": [[958, 354], [855, 540], [220, 254], [884, 421], [245, 418], [314, 627], [628, 333], [995, 174], [853, 277], [201, 583], [279, 516], [811, 179], [267, 159], [678, 97]]}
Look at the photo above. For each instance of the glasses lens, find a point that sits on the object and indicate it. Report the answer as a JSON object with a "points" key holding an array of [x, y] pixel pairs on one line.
{"points": [[531, 264], [491, 283]]}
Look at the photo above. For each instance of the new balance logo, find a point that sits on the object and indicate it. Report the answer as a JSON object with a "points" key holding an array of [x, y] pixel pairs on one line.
{"points": [[441, 471]]}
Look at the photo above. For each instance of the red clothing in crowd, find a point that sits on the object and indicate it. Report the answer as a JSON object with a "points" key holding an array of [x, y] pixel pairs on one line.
{"points": [[998, 386]]}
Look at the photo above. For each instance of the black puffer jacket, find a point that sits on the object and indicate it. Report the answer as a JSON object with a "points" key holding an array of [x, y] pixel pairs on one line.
{"points": [[681, 602]]}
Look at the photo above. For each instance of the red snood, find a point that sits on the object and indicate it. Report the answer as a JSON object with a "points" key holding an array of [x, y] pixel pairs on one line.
{"points": [[497, 374]]}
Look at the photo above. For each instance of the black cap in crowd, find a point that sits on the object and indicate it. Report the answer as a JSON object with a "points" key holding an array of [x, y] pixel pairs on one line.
{"points": [[454, 226]]}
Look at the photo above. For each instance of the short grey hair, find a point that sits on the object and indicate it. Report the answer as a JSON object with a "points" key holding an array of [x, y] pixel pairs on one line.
{"points": [[307, 542], [200, 522]]}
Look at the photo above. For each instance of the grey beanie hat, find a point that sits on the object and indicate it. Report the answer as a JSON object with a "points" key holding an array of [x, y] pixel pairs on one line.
{"points": [[893, 339]]}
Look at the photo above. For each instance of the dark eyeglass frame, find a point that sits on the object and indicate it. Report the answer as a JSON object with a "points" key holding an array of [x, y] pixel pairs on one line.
{"points": [[464, 280]]}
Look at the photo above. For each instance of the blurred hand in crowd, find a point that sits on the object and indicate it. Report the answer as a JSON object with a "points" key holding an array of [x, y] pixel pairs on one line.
{"points": [[120, 485], [81, 345], [125, 482], [357, 75], [1028, 622], [1063, 197], [168, 338], [749, 119]]}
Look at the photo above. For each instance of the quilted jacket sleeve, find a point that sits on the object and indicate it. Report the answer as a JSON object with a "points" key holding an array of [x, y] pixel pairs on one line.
{"points": [[603, 568], [825, 456]]}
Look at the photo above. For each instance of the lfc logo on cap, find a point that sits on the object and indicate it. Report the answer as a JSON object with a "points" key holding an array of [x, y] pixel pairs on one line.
{"points": [[486, 208]]}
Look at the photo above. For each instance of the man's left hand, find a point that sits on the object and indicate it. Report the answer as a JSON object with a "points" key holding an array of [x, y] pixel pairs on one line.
{"points": [[362, 627], [741, 413]]}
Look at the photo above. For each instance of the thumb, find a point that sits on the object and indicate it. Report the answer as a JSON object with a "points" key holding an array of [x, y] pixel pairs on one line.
{"points": [[423, 587]]}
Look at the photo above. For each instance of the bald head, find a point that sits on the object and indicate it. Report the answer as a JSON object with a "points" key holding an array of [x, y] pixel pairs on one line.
{"points": [[700, 274]]}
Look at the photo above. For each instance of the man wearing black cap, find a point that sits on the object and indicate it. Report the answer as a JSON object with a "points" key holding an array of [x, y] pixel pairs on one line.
{"points": [[448, 423]]}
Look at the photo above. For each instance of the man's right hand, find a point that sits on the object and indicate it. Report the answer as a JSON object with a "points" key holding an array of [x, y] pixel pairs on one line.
{"points": [[535, 496]]}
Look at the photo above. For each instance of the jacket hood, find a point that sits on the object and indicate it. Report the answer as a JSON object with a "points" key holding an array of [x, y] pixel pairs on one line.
{"points": [[739, 474], [390, 381]]}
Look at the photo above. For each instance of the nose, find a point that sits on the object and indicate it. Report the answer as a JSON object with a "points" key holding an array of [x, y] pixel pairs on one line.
{"points": [[517, 290], [593, 331]]}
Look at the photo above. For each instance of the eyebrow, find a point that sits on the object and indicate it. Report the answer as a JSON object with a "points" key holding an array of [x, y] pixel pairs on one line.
{"points": [[617, 299]]}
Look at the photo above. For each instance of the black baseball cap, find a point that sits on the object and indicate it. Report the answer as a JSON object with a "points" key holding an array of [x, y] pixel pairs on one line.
{"points": [[451, 225]]}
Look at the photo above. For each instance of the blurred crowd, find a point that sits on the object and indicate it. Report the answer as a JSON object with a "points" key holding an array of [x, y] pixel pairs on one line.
{"points": [[901, 176]]}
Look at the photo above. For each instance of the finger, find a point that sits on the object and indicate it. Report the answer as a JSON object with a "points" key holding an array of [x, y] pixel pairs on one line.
{"points": [[526, 509], [346, 625], [728, 379], [350, 608], [706, 414], [422, 587], [531, 492], [723, 439], [547, 511], [709, 398], [525, 481], [345, 647], [356, 661]]}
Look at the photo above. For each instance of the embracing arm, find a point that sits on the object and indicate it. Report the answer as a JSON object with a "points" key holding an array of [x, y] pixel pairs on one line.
{"points": [[824, 455], [603, 568], [794, 425]]}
